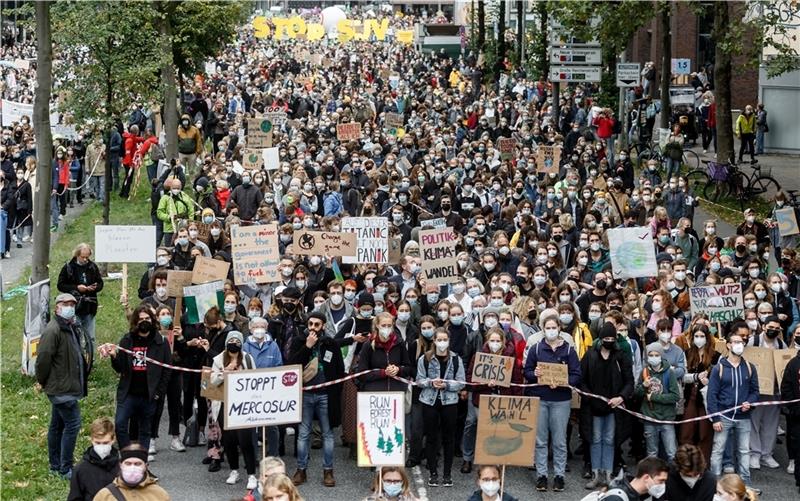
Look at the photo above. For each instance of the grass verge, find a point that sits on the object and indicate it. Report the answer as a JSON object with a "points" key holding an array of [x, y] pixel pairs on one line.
{"points": [[24, 413]]}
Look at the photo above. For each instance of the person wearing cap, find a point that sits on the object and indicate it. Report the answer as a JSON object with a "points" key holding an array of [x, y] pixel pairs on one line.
{"points": [[82, 278], [286, 318], [134, 482], [606, 370], [63, 363], [658, 386], [321, 358]]}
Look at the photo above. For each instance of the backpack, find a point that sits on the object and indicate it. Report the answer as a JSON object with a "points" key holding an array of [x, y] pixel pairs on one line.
{"points": [[609, 495], [156, 152], [425, 363]]}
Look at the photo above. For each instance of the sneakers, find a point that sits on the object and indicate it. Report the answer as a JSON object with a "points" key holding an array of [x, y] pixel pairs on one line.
{"points": [[232, 478], [152, 450], [252, 482], [215, 465], [26, 238], [755, 463], [327, 478], [299, 477], [594, 482], [769, 462], [541, 483], [14, 238], [150, 458], [466, 467], [201, 438], [447, 481], [587, 471], [177, 445], [433, 480], [558, 483]]}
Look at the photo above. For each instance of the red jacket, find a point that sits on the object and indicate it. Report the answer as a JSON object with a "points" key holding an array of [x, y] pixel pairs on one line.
{"points": [[145, 146], [63, 173], [131, 143], [223, 196], [712, 115], [605, 127]]}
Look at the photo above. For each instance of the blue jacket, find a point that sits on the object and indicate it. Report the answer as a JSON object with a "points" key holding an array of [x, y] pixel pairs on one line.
{"points": [[731, 387], [115, 146], [449, 395], [332, 203], [564, 354], [266, 356]]}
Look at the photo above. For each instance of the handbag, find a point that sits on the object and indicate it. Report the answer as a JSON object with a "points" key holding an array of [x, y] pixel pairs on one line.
{"points": [[310, 370]]}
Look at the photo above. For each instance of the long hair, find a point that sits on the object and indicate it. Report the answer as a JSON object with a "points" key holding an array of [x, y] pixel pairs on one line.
{"points": [[391, 469], [733, 484], [134, 320], [282, 483]]}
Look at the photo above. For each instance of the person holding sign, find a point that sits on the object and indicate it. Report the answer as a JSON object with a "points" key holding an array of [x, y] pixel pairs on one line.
{"points": [[385, 351], [554, 407], [659, 387], [440, 374]]}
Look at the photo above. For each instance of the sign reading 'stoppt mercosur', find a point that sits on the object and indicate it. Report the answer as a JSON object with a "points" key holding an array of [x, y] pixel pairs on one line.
{"points": [[263, 397]]}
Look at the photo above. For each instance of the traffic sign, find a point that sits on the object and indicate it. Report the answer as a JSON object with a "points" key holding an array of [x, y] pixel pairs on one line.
{"points": [[681, 66], [574, 73], [571, 55], [628, 74]]}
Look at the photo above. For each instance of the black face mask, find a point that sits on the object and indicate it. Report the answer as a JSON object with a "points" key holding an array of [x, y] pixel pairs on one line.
{"points": [[773, 333], [145, 326], [741, 249], [289, 307], [558, 238], [445, 206], [233, 348], [609, 345], [797, 340], [601, 285]]}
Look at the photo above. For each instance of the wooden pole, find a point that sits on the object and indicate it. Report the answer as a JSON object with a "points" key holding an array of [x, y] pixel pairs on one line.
{"points": [[502, 480], [125, 279], [263, 442]]}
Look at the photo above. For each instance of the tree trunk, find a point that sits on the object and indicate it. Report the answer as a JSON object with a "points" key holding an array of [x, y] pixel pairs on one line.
{"points": [[44, 144], [170, 99], [520, 32], [543, 42], [722, 86], [501, 40], [108, 179], [666, 63], [481, 25]]}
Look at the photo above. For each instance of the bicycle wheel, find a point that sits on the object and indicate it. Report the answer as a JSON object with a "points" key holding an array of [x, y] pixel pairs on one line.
{"points": [[765, 187], [690, 159], [697, 180], [717, 190]]}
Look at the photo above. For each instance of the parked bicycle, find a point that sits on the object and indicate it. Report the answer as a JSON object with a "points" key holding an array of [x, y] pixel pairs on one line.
{"points": [[652, 151], [728, 180]]}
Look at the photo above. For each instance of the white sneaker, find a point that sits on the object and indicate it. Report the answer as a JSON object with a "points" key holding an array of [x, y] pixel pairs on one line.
{"points": [[232, 478], [705, 151], [26, 238], [150, 458], [177, 445], [252, 482], [781, 431], [289, 432], [14, 238], [152, 450], [755, 464], [201, 438], [729, 469], [790, 468], [770, 462]]}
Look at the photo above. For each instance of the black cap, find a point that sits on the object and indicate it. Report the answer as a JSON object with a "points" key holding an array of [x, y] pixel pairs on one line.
{"points": [[664, 257], [317, 315], [608, 330], [291, 293], [366, 299]]}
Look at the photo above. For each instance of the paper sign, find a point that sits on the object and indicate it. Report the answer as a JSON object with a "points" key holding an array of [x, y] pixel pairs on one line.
{"points": [[663, 137], [201, 298], [276, 116], [395, 250], [787, 221], [207, 389], [394, 120], [764, 363], [124, 244], [324, 243], [722, 303], [553, 374], [506, 430], [208, 270], [259, 133], [251, 159], [681, 66], [381, 429], [721, 347], [488, 367], [255, 254], [176, 281], [271, 158], [263, 397], [438, 251], [372, 239], [506, 146], [348, 132], [548, 159], [782, 359], [37, 306], [632, 252], [437, 223]]}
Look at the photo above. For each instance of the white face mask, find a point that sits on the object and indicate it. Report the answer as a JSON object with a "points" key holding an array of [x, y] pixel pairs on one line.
{"points": [[656, 307], [700, 342], [162, 260], [753, 324], [336, 299], [161, 291], [737, 348], [657, 490], [490, 488], [495, 346], [664, 336], [690, 481], [551, 334], [441, 346], [102, 450]]}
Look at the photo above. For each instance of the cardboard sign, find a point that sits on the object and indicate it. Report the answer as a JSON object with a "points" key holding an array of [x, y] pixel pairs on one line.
{"points": [[438, 251], [208, 270], [721, 347], [394, 120], [259, 133], [316, 59], [764, 362], [395, 250], [782, 359], [438, 222], [381, 429], [263, 397], [124, 244], [201, 298], [722, 303], [372, 239], [255, 254], [251, 159], [548, 159], [271, 158], [506, 146], [488, 367], [209, 391], [553, 374], [276, 116], [506, 430], [787, 221], [632, 252], [348, 132], [176, 281], [324, 243]]}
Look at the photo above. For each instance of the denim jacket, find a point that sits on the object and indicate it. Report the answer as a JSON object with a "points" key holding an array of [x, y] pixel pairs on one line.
{"points": [[449, 394]]}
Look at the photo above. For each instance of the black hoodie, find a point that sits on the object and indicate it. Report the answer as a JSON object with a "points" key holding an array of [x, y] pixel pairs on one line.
{"points": [[92, 474]]}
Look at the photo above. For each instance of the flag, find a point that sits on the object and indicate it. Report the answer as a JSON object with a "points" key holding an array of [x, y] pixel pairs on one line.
{"points": [[198, 299], [336, 271]]}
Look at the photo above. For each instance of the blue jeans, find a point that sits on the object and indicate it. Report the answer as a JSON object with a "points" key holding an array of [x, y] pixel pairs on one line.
{"points": [[552, 429], [142, 410], [602, 450], [315, 404], [54, 210], [152, 170], [3, 228], [98, 187], [663, 433], [759, 142], [470, 430], [673, 167], [610, 149], [741, 427], [65, 424], [88, 324]]}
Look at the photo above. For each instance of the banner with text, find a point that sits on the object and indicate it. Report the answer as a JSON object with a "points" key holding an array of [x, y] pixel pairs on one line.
{"points": [[488, 367], [324, 243], [438, 251], [372, 239], [506, 430], [722, 303], [255, 254], [548, 159], [263, 397], [381, 429], [124, 244]]}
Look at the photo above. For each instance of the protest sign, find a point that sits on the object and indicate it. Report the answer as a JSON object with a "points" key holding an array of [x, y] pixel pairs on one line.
{"points": [[176, 281], [209, 270], [722, 303], [787, 221], [395, 250], [721, 347], [259, 133], [124, 244], [263, 397], [764, 363], [381, 428], [488, 367], [663, 136], [251, 158], [438, 222], [276, 116], [372, 239], [37, 308], [271, 158], [12, 111], [201, 298], [548, 159], [316, 59], [324, 243], [438, 251], [632, 252], [553, 374], [255, 254], [781, 359], [506, 146], [348, 132], [506, 430], [394, 120], [207, 389]]}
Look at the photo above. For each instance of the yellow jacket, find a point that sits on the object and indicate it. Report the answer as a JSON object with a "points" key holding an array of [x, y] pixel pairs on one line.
{"points": [[583, 339], [745, 125]]}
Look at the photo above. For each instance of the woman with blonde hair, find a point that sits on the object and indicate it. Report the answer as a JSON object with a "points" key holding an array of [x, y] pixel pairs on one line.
{"points": [[731, 487], [279, 487], [391, 484]]}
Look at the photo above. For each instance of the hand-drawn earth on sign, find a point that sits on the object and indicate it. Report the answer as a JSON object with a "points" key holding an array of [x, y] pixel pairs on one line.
{"points": [[266, 126], [502, 444]]}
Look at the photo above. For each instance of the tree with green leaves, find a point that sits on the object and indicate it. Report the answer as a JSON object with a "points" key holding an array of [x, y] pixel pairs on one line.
{"points": [[665, 16]]}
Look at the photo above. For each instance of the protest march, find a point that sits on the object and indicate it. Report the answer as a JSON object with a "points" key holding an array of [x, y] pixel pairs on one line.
{"points": [[383, 271]]}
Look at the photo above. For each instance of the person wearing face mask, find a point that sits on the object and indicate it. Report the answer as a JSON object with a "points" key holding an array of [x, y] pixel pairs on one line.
{"points": [[452, 218], [733, 382], [701, 356], [649, 481], [194, 238], [658, 389], [247, 197], [173, 208], [387, 352], [266, 353], [190, 141], [134, 481], [391, 484], [689, 479], [489, 482], [752, 227], [554, 405], [790, 390], [745, 129], [82, 278], [100, 463]]}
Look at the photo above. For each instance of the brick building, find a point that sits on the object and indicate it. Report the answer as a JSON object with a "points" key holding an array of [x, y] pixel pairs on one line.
{"points": [[691, 39]]}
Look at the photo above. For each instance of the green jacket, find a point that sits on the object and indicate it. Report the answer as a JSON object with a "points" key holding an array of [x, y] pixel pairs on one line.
{"points": [[57, 363], [172, 208], [661, 401]]}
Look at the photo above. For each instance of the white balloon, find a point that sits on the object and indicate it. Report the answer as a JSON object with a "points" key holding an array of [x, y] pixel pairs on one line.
{"points": [[330, 17]]}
